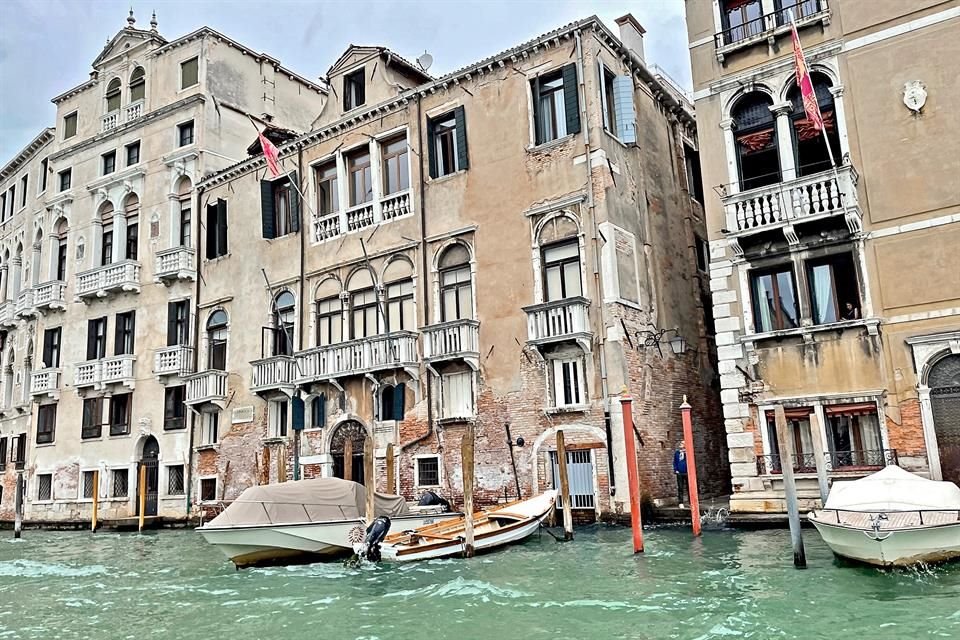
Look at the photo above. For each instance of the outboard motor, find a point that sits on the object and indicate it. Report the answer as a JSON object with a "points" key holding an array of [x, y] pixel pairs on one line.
{"points": [[376, 532], [429, 499]]}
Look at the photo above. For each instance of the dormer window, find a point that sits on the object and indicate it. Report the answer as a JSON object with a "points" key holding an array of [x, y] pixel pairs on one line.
{"points": [[354, 94], [138, 84], [113, 95]]}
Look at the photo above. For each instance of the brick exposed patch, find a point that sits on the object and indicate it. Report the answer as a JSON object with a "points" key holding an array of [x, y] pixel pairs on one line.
{"points": [[907, 436]]}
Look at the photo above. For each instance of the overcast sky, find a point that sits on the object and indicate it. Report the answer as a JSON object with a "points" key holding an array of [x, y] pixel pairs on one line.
{"points": [[47, 46]]}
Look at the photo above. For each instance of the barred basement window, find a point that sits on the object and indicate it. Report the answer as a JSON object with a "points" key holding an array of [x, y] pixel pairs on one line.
{"points": [[120, 483], [428, 472], [208, 489], [45, 486], [175, 480], [87, 485]]}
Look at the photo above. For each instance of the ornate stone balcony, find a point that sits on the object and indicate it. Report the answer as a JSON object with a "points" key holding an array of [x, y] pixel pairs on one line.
{"points": [[25, 307], [276, 373], [395, 205], [110, 121], [396, 350], [105, 371], [45, 382], [7, 316], [114, 119], [100, 281], [453, 340], [175, 264], [133, 111], [176, 360], [331, 225], [560, 321], [50, 295], [360, 216], [207, 387]]}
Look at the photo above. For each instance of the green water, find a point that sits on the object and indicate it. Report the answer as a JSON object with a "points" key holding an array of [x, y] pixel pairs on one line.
{"points": [[728, 585]]}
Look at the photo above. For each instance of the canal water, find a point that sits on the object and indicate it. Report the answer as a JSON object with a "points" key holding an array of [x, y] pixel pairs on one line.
{"points": [[729, 584]]}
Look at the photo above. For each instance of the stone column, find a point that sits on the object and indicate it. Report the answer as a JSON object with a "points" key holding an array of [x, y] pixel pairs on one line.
{"points": [[376, 176], [929, 434], [840, 116], [788, 166]]}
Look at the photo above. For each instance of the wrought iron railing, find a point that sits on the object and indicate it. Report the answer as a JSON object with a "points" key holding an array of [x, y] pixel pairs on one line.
{"points": [[752, 30], [772, 464], [835, 461]]}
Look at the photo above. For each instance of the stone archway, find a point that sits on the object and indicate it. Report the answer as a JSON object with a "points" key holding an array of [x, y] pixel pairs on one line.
{"points": [[944, 384], [150, 460], [347, 450]]}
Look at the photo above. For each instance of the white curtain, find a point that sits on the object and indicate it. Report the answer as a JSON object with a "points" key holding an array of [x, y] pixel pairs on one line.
{"points": [[823, 290]]}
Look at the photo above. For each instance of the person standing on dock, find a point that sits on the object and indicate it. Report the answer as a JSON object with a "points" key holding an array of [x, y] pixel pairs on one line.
{"points": [[680, 470]]}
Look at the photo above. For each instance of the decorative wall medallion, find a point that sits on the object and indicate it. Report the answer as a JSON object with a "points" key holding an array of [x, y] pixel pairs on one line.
{"points": [[914, 95]]}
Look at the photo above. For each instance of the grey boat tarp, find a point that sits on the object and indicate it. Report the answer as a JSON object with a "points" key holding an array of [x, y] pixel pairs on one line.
{"points": [[315, 500]]}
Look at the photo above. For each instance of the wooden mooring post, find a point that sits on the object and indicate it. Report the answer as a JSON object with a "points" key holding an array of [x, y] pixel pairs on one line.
{"points": [[96, 500], [633, 474], [564, 487], [391, 470], [369, 477], [18, 507], [466, 452], [348, 459], [785, 442], [819, 458], [142, 486], [688, 447]]}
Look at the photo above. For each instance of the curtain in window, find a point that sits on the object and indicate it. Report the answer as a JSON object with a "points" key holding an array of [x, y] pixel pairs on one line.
{"points": [[824, 302], [765, 306], [870, 432]]}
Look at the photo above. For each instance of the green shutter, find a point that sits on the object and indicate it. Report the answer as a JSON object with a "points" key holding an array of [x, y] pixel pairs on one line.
{"points": [[399, 395], [294, 202], [537, 116], [570, 99], [462, 158], [266, 209], [431, 148]]}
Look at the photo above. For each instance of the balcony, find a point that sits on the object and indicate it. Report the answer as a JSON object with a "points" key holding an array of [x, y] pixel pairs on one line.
{"points": [[175, 264], [453, 340], [25, 307], [207, 387], [100, 281], [114, 119], [766, 28], [394, 350], [784, 204], [559, 321], [836, 462], [332, 225], [360, 216], [110, 121], [176, 360], [276, 373], [7, 317], [50, 295], [395, 205], [45, 382], [98, 374], [133, 111]]}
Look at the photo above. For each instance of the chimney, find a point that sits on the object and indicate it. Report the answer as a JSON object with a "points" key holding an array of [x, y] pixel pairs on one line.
{"points": [[631, 34]]}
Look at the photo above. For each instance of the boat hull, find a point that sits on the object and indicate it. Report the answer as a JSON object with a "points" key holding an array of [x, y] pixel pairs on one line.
{"points": [[892, 548], [510, 534]]}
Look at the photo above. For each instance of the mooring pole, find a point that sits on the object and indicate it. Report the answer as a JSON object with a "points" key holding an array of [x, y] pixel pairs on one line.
{"points": [[348, 459], [391, 470], [564, 488], [819, 459], [18, 507], [790, 487], [96, 500], [143, 496], [633, 475], [468, 470], [688, 447], [369, 477]]}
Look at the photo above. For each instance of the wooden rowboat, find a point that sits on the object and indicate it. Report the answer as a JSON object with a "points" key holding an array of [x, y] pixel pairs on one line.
{"points": [[491, 529]]}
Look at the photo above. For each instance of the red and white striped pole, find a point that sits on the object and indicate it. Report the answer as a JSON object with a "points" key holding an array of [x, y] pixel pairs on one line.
{"points": [[691, 466], [633, 475]]}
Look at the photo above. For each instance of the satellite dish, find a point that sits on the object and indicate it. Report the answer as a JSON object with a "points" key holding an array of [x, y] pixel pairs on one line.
{"points": [[425, 61]]}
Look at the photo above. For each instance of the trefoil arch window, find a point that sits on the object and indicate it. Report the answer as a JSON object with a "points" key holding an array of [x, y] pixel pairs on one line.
{"points": [[756, 141]]}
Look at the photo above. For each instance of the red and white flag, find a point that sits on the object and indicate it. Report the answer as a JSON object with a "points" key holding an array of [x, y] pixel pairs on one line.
{"points": [[271, 154], [809, 96]]}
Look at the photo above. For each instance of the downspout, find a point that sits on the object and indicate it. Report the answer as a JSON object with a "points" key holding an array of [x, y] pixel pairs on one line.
{"points": [[195, 358], [303, 304]]}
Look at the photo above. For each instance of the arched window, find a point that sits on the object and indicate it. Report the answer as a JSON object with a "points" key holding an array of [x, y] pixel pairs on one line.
{"points": [[284, 312], [138, 84], [61, 249], [105, 213], [329, 313], [363, 305], [811, 152], [401, 310], [131, 210], [392, 402], [113, 95], [185, 199], [17, 273], [456, 288], [756, 140], [217, 340]]}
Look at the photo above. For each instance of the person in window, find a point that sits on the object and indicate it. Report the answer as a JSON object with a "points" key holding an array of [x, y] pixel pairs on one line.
{"points": [[851, 311], [680, 470]]}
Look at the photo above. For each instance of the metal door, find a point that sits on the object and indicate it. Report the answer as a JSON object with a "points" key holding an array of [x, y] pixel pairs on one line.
{"points": [[150, 460], [580, 476], [944, 383]]}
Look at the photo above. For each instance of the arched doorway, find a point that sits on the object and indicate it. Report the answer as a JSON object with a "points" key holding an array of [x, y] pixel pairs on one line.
{"points": [[150, 459], [944, 383], [346, 447]]}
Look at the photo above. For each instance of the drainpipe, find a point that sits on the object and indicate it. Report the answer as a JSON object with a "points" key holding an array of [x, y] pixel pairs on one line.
{"points": [[198, 254], [303, 304]]}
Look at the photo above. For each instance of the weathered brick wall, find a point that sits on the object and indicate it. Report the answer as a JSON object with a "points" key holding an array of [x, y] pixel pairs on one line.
{"points": [[907, 435]]}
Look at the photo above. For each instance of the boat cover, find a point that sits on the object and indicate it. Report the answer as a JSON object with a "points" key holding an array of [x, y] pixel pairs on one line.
{"points": [[893, 489], [315, 500]]}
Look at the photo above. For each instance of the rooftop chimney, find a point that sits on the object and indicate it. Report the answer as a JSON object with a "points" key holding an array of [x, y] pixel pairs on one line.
{"points": [[631, 34]]}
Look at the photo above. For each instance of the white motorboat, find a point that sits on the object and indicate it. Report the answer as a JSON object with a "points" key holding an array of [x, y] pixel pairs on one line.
{"points": [[496, 528], [305, 521], [891, 518]]}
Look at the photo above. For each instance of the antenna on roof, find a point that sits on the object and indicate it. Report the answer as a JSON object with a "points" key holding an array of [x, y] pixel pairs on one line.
{"points": [[425, 61]]}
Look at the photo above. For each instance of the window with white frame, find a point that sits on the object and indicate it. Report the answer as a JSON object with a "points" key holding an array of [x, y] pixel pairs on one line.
{"points": [[44, 487], [457, 394], [427, 471], [87, 484], [569, 383], [561, 270], [175, 484], [396, 169], [210, 428], [189, 72], [329, 320], [279, 417], [120, 482], [401, 312], [456, 286], [556, 107]]}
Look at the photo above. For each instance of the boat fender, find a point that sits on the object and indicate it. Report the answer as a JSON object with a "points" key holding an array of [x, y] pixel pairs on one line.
{"points": [[376, 532]]}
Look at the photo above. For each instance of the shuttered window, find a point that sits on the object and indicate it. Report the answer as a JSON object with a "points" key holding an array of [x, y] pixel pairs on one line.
{"points": [[448, 143], [124, 332], [96, 338], [91, 421], [556, 105], [120, 414], [457, 395], [217, 229], [392, 402], [51, 348], [568, 382], [46, 423], [318, 412], [616, 99], [178, 323], [70, 125], [189, 72], [279, 206]]}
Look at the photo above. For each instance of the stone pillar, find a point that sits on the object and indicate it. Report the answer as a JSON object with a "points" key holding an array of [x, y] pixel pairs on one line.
{"points": [[929, 434], [53, 241], [119, 237], [376, 176], [840, 116], [788, 165]]}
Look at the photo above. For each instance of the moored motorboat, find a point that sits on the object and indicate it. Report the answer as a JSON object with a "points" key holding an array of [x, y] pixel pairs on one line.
{"points": [[891, 518], [305, 521], [495, 528]]}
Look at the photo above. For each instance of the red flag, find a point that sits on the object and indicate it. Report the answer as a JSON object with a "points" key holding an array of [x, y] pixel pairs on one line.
{"points": [[271, 154], [809, 96]]}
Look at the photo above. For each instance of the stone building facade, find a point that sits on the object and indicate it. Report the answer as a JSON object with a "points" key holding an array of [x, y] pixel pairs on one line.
{"points": [[836, 287]]}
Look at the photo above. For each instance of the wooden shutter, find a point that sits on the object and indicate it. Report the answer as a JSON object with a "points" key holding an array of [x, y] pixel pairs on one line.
{"points": [[48, 349], [432, 148], [399, 395], [133, 332], [297, 413], [361, 88], [221, 227], [570, 99], [119, 327], [211, 231], [346, 93], [320, 411], [603, 95], [92, 339], [623, 107], [172, 337], [267, 210], [537, 116], [462, 157], [294, 202]]}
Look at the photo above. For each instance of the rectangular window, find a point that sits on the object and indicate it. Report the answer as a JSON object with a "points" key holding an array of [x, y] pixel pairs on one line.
{"points": [[108, 163], [106, 244], [62, 258], [328, 199], [208, 489], [457, 394], [456, 294], [853, 436], [178, 323], [561, 270], [363, 310], [44, 167], [120, 413], [18, 453], [798, 428], [608, 99], [210, 428], [174, 409], [329, 321], [87, 485], [23, 190], [124, 332], [834, 293], [12, 199], [120, 485], [774, 300], [3, 452], [185, 133], [51, 348], [691, 159], [401, 314], [741, 19], [189, 72], [568, 382], [217, 229], [133, 237], [361, 181], [448, 143], [703, 253], [392, 402], [96, 338], [318, 412], [279, 206], [396, 170], [428, 471], [45, 487], [278, 418], [556, 107], [616, 101], [70, 125], [65, 179], [133, 153], [91, 425], [186, 223], [175, 480], [354, 94], [46, 423]]}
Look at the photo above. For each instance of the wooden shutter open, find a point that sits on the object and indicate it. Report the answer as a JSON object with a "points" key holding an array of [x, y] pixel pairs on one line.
{"points": [[399, 396], [211, 231], [221, 227], [294, 202], [462, 156], [92, 339], [571, 101], [267, 210], [432, 148]]}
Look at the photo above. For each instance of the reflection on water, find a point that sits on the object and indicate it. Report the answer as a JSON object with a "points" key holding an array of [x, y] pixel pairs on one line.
{"points": [[729, 584]]}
